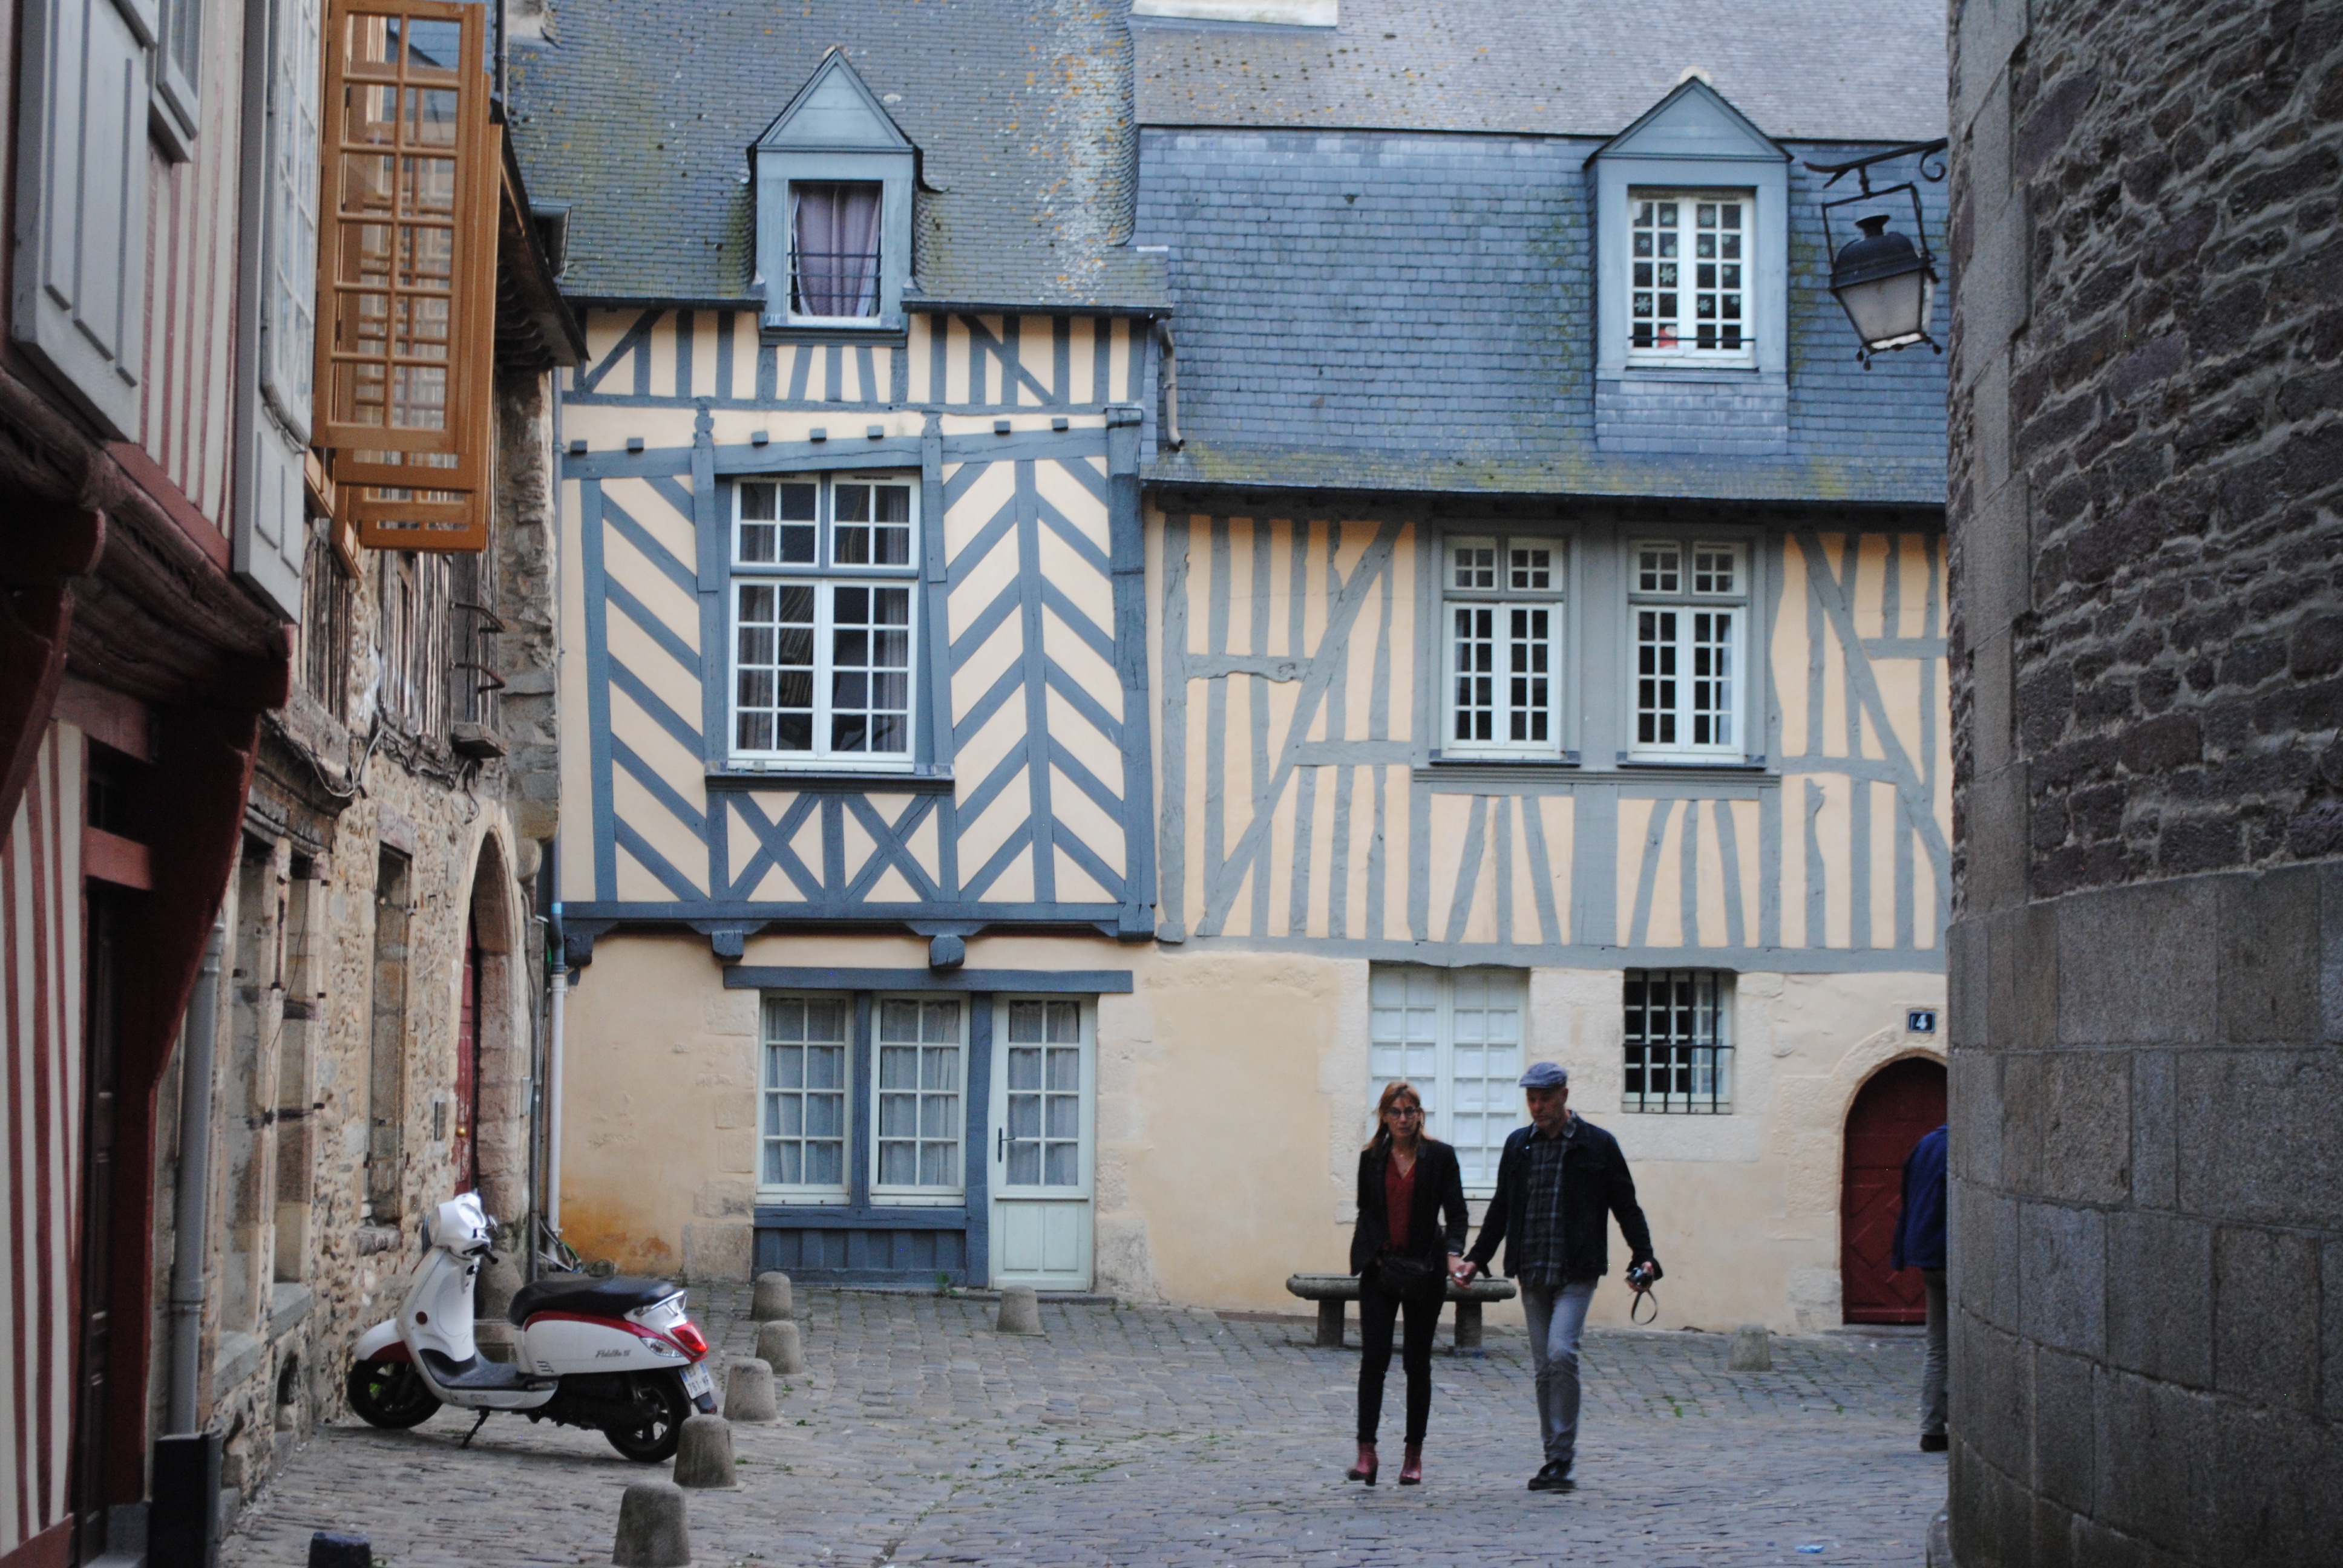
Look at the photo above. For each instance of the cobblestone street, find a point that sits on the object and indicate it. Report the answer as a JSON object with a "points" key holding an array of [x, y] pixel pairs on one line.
{"points": [[1153, 1435]]}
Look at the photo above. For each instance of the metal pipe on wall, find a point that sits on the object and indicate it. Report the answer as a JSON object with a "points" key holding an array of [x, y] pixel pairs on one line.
{"points": [[557, 987], [191, 1210]]}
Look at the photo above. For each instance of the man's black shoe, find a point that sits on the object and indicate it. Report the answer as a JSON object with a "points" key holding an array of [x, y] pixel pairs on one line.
{"points": [[1554, 1477], [1934, 1443]]}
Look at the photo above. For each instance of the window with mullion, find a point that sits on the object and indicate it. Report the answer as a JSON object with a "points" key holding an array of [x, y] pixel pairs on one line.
{"points": [[824, 601], [1501, 617], [1688, 275], [921, 1046], [802, 1122], [1456, 1035], [1688, 606]]}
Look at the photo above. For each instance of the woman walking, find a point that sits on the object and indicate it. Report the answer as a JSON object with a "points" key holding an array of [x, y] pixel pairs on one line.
{"points": [[1412, 1220]]}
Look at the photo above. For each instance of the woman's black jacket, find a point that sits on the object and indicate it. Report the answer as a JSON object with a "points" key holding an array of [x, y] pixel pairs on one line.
{"points": [[1436, 1222]]}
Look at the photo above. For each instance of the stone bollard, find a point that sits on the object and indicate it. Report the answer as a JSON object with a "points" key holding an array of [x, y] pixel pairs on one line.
{"points": [[748, 1392], [773, 1298], [1021, 1310], [330, 1549], [704, 1457], [1752, 1350], [652, 1530], [778, 1347]]}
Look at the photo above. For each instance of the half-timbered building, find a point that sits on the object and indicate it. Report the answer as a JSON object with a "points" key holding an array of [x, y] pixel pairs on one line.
{"points": [[1137, 576]]}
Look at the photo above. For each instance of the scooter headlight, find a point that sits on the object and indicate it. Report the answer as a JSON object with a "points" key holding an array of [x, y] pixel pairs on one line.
{"points": [[661, 1348]]}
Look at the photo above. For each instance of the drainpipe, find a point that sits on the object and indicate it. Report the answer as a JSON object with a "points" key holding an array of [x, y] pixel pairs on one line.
{"points": [[558, 988], [191, 1213]]}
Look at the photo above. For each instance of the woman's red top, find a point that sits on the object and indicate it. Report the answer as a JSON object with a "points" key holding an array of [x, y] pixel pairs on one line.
{"points": [[1399, 1198]]}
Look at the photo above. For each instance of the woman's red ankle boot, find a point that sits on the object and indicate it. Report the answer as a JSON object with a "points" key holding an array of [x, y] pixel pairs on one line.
{"points": [[1365, 1469], [1410, 1469]]}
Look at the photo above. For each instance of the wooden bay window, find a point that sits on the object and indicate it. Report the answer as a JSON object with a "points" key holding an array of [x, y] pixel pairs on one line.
{"points": [[407, 272]]}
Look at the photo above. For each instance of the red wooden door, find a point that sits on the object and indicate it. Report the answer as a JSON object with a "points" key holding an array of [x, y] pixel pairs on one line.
{"points": [[467, 1070], [1902, 1103]]}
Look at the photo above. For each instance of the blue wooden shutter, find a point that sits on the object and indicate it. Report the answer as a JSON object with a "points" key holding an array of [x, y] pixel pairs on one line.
{"points": [[80, 305]]}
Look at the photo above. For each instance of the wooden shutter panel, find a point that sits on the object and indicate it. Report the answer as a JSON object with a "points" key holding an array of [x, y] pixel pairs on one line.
{"points": [[80, 305], [277, 283], [288, 346], [406, 251]]}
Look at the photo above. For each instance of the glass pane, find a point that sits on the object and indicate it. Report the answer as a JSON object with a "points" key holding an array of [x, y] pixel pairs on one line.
{"points": [[1065, 1070], [1064, 1166], [898, 1020], [1024, 1069], [1024, 1116], [938, 1115], [899, 1067], [1025, 1164], [898, 1164], [936, 1165], [825, 1115], [899, 1115], [1025, 1021], [825, 1164], [1065, 1116]]}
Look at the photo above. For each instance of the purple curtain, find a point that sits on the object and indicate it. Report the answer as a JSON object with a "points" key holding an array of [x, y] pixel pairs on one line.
{"points": [[837, 228]]}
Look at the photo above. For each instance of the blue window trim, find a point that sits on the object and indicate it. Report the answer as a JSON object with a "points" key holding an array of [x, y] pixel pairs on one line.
{"points": [[1047, 982]]}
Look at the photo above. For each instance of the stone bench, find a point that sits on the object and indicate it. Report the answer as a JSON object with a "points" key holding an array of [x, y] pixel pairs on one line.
{"points": [[1331, 1290]]}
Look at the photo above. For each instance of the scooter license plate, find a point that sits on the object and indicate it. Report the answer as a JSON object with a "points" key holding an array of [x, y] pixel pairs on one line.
{"points": [[696, 1380]]}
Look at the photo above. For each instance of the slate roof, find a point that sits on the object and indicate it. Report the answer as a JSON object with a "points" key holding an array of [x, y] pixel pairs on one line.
{"points": [[1822, 70], [637, 116], [1395, 310]]}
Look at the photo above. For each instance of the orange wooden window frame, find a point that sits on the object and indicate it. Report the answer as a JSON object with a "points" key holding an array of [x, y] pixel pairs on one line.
{"points": [[362, 174]]}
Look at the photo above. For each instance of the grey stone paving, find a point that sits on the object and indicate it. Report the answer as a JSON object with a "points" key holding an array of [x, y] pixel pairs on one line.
{"points": [[1166, 1436]]}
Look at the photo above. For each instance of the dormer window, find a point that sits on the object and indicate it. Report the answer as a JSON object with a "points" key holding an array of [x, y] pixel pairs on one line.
{"points": [[833, 179], [834, 249], [1688, 273]]}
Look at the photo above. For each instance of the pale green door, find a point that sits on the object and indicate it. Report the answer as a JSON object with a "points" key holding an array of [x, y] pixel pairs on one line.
{"points": [[1044, 1108]]}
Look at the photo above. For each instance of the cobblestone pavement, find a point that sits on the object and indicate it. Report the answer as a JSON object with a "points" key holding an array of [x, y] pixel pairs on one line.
{"points": [[1158, 1436]]}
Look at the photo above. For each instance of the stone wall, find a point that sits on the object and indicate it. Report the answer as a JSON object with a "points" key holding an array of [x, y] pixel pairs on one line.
{"points": [[2147, 958], [313, 1210]]}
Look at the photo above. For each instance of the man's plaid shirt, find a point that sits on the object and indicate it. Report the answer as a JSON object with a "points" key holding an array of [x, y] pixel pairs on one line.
{"points": [[1544, 1257]]}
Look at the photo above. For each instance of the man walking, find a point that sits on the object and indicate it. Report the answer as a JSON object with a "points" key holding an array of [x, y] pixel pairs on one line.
{"points": [[1920, 1244], [1556, 1181]]}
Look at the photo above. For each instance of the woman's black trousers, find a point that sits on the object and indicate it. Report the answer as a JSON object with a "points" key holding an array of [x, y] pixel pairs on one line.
{"points": [[1376, 1312]]}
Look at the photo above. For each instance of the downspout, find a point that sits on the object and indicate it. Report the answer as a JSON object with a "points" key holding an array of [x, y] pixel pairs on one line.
{"points": [[191, 1210], [557, 987]]}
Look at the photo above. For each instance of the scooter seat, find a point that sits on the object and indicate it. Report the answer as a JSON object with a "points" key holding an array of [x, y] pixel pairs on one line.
{"points": [[610, 1298]]}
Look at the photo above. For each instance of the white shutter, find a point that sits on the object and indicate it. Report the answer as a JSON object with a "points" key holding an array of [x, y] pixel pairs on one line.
{"points": [[80, 305], [289, 347], [276, 362]]}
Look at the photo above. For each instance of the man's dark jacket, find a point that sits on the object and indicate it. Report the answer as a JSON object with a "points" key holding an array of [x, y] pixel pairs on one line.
{"points": [[1435, 1220], [1920, 1228], [1594, 1182]]}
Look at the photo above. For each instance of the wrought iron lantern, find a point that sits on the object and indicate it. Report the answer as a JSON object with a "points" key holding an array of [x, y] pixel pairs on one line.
{"points": [[1884, 281]]}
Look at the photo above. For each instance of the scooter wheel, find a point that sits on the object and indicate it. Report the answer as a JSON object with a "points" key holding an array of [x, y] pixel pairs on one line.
{"points": [[389, 1393], [659, 1407]]}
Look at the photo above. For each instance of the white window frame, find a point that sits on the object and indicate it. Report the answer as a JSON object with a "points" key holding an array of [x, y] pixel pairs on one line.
{"points": [[1428, 1056], [805, 1192], [1687, 350], [825, 576], [1506, 587], [915, 1194], [1085, 1046], [1686, 600]]}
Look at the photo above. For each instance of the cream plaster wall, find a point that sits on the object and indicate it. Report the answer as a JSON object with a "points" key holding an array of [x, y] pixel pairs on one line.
{"points": [[1231, 1100]]}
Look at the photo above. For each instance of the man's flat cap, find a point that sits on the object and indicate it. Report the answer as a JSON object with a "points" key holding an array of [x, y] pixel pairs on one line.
{"points": [[1545, 1075]]}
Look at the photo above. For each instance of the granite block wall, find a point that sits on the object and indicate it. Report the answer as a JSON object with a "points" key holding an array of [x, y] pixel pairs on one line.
{"points": [[2146, 962]]}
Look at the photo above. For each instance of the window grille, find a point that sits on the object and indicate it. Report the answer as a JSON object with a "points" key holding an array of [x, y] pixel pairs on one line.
{"points": [[1503, 605], [823, 601], [1687, 270], [834, 244], [1456, 1035], [804, 1120], [1678, 1043]]}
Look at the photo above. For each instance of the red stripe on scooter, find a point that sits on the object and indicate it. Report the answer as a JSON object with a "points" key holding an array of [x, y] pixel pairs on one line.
{"points": [[635, 1328]]}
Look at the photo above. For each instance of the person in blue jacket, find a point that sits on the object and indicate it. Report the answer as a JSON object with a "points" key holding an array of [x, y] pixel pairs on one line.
{"points": [[1920, 1244]]}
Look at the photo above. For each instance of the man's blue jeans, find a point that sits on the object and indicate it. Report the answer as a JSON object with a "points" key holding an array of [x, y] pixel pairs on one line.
{"points": [[1557, 1316]]}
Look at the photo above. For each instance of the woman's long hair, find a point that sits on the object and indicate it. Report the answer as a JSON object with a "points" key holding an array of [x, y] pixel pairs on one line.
{"points": [[1391, 1091]]}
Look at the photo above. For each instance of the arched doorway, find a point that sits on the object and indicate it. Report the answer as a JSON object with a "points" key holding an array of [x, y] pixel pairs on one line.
{"points": [[1902, 1103]]}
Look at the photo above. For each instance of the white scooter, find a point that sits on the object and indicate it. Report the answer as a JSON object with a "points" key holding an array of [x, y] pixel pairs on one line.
{"points": [[616, 1355]]}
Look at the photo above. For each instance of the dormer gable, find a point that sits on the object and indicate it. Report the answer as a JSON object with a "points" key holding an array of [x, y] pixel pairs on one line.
{"points": [[834, 176], [1695, 121], [834, 111]]}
